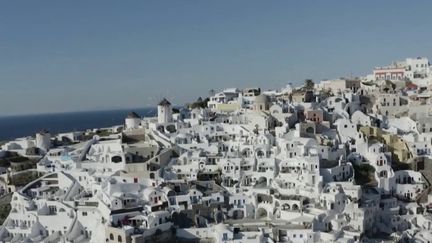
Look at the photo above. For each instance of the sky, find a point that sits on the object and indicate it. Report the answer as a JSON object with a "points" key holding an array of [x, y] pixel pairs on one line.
{"points": [[60, 56]]}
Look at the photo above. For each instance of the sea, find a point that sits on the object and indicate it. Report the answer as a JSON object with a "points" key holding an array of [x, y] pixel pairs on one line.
{"points": [[27, 125]]}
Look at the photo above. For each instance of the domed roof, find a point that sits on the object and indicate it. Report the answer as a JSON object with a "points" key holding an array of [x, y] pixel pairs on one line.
{"points": [[132, 115], [262, 98], [164, 102]]}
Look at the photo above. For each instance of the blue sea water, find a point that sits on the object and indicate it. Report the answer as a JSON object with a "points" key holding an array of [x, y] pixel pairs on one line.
{"points": [[27, 125]]}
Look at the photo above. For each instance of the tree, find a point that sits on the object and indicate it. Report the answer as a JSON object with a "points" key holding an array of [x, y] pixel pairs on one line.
{"points": [[256, 129], [325, 93], [309, 84], [212, 92]]}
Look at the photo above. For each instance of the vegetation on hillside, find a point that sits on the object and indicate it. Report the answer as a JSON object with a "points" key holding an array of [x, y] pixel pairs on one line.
{"points": [[199, 103], [24, 178], [101, 133], [309, 84], [364, 174], [4, 163], [5, 207]]}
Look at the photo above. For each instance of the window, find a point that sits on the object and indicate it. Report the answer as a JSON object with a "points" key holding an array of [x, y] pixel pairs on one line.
{"points": [[420, 165], [111, 236], [84, 213], [116, 159], [119, 238]]}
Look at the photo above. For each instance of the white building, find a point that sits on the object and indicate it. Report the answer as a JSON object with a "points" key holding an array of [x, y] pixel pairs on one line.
{"points": [[285, 166]]}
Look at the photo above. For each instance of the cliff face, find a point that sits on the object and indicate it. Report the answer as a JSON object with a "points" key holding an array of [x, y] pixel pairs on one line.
{"points": [[397, 146], [424, 166], [5, 207]]}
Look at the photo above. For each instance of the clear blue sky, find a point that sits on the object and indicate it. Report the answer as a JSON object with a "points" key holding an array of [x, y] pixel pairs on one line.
{"points": [[85, 55]]}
